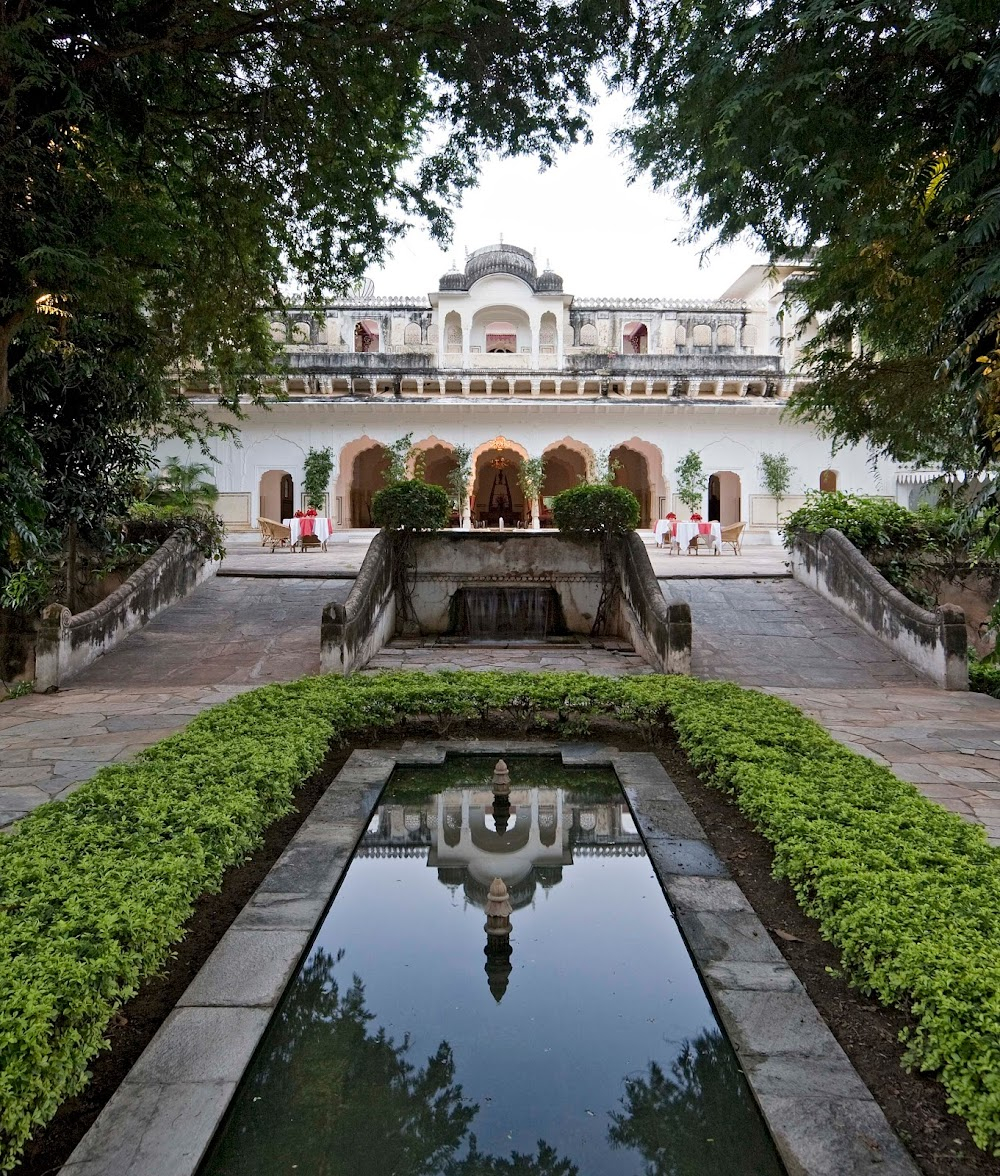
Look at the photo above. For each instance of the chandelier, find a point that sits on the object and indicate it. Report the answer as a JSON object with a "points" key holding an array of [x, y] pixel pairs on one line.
{"points": [[499, 444]]}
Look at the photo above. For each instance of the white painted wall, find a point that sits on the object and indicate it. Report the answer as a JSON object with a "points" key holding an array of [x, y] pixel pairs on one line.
{"points": [[728, 437]]}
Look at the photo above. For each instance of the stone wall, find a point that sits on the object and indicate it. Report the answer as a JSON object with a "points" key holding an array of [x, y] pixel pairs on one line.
{"points": [[352, 632], [445, 561], [659, 629], [933, 642], [66, 644]]}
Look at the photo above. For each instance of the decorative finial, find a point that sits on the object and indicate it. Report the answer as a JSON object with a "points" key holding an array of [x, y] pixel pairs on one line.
{"points": [[498, 928], [501, 238], [501, 777]]}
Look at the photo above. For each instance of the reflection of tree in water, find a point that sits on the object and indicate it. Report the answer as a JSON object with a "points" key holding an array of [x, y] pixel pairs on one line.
{"points": [[338, 1100], [546, 1163], [700, 1118]]}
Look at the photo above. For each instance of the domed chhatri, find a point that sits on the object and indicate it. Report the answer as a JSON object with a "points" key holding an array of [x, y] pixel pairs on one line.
{"points": [[498, 259], [549, 282]]}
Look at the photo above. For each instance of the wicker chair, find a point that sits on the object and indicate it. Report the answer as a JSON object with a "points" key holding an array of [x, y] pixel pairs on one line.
{"points": [[733, 536], [274, 533]]}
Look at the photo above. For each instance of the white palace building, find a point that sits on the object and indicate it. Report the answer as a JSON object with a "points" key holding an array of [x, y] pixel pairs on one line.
{"points": [[501, 359]]}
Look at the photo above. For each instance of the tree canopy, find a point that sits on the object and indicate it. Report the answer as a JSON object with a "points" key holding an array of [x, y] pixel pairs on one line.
{"points": [[860, 140], [188, 157], [165, 167]]}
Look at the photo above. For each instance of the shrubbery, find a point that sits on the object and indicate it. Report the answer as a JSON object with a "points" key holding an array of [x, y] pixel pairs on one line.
{"points": [[914, 549], [597, 510], [96, 888], [411, 505]]}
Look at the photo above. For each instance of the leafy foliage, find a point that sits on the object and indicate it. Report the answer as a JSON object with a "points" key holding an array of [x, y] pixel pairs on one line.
{"points": [[530, 476], [177, 159], [411, 506], [912, 549], [596, 510], [859, 141], [98, 887], [458, 479], [149, 525], [182, 486], [776, 474], [691, 480], [317, 468]]}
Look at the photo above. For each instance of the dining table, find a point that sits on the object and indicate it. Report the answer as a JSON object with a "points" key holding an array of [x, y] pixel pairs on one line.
{"points": [[693, 529], [315, 525]]}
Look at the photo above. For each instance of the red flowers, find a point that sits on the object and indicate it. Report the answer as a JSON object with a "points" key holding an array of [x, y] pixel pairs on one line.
{"points": [[671, 515], [299, 514], [311, 513], [696, 518]]}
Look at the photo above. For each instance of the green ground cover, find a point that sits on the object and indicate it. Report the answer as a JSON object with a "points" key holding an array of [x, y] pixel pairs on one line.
{"points": [[94, 890]]}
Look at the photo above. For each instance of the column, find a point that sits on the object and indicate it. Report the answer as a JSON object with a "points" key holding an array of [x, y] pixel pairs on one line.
{"points": [[466, 385], [536, 387], [717, 387], [742, 389], [466, 332], [420, 385]]}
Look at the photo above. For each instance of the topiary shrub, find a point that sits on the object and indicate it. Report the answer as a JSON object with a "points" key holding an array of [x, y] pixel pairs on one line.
{"points": [[411, 506], [596, 510]]}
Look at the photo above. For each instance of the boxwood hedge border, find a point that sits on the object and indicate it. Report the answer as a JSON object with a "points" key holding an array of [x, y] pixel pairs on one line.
{"points": [[95, 890]]}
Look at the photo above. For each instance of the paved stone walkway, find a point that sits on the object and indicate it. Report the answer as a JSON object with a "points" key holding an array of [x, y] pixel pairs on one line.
{"points": [[228, 636], [611, 663], [780, 633], [779, 636]]}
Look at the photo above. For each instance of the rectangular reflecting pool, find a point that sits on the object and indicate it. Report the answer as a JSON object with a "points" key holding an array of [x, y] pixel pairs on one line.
{"points": [[499, 987]]}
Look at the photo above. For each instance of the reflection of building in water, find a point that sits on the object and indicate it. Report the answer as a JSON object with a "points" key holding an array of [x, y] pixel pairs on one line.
{"points": [[471, 840]]}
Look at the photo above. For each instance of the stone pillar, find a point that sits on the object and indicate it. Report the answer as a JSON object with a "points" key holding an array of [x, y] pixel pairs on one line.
{"points": [[536, 387], [629, 384], [466, 332], [466, 386], [717, 387], [420, 385], [742, 389]]}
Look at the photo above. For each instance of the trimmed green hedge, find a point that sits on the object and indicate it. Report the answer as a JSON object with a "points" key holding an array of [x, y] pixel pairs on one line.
{"points": [[94, 890]]}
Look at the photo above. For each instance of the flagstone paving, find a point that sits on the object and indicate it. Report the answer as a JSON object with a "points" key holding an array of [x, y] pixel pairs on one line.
{"points": [[227, 636], [752, 625], [779, 636]]}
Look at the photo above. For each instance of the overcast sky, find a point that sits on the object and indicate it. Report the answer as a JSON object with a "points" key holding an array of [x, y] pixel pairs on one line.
{"points": [[604, 236]]}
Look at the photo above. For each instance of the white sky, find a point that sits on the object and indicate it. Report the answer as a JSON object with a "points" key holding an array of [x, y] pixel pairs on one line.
{"points": [[604, 236]]}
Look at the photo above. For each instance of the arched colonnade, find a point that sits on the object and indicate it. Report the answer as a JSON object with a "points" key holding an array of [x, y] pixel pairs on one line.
{"points": [[493, 489]]}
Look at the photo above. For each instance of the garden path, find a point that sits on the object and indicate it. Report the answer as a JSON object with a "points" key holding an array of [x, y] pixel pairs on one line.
{"points": [[227, 636], [779, 636]]}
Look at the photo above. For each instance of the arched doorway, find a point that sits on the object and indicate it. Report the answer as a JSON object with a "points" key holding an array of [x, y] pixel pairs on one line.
{"points": [[633, 472], [277, 496], [724, 492], [496, 494], [635, 339], [565, 467], [827, 481], [438, 461], [366, 336], [368, 475]]}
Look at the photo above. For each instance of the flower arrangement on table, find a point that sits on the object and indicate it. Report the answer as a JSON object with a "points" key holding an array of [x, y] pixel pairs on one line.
{"points": [[311, 513], [670, 516], [696, 518]]}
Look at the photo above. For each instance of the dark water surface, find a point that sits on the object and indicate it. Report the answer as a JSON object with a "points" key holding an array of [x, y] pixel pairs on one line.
{"points": [[582, 1042]]}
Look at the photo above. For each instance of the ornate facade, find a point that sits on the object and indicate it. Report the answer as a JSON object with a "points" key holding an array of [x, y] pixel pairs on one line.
{"points": [[501, 359]]}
